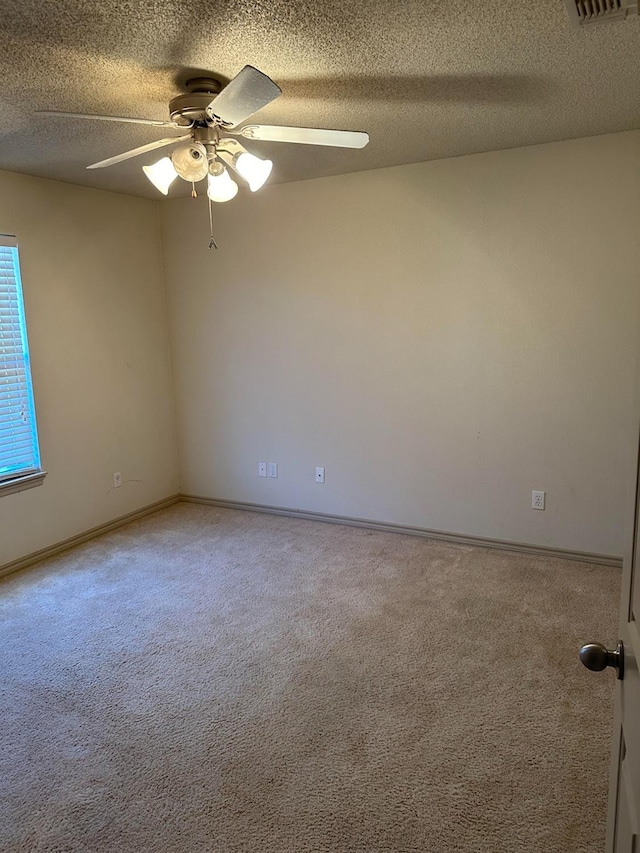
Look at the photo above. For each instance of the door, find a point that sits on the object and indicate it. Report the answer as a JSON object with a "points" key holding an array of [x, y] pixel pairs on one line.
{"points": [[623, 821]]}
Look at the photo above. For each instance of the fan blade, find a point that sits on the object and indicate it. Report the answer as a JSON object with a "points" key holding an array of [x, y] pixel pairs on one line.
{"points": [[135, 151], [306, 135], [150, 121], [248, 92]]}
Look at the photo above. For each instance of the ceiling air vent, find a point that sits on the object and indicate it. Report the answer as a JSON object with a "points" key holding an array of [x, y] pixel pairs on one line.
{"points": [[583, 13]]}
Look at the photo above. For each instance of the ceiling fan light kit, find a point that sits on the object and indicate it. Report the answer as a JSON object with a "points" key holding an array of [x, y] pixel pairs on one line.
{"points": [[221, 186], [196, 160], [206, 110], [253, 169], [190, 161], [161, 174]]}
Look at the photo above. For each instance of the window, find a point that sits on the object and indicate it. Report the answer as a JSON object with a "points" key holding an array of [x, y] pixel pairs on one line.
{"points": [[19, 454]]}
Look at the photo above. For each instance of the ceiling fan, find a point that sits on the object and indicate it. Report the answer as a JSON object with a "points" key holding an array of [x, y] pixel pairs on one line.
{"points": [[212, 114]]}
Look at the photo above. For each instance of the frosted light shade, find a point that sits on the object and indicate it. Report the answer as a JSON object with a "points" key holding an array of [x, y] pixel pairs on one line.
{"points": [[190, 161], [161, 174], [254, 170], [221, 187]]}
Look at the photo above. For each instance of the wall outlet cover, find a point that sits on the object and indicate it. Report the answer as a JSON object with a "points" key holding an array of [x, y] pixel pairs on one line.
{"points": [[537, 500], [262, 469], [273, 469]]}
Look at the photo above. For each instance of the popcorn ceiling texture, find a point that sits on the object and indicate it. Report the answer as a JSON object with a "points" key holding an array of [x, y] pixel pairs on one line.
{"points": [[214, 680], [426, 79]]}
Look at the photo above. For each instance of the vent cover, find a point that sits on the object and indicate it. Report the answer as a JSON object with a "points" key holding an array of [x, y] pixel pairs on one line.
{"points": [[583, 13]]}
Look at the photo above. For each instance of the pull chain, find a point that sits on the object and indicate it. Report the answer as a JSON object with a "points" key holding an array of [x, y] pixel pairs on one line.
{"points": [[212, 242]]}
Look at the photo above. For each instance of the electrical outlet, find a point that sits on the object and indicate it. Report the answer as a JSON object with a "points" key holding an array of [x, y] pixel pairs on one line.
{"points": [[319, 475], [262, 469], [273, 469], [117, 479], [537, 500]]}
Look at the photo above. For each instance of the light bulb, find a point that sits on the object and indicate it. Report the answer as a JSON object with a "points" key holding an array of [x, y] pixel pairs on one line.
{"points": [[161, 174], [221, 187], [254, 170], [190, 161]]}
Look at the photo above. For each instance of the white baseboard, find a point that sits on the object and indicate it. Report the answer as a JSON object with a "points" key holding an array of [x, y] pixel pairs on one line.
{"points": [[478, 541], [58, 547]]}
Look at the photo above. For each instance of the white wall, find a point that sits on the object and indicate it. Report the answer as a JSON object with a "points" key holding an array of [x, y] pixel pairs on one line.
{"points": [[96, 319], [442, 337]]}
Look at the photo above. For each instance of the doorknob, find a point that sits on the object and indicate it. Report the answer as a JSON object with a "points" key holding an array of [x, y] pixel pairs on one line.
{"points": [[594, 656]]}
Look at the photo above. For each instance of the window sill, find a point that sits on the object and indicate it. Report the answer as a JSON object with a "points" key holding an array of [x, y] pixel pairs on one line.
{"points": [[28, 481]]}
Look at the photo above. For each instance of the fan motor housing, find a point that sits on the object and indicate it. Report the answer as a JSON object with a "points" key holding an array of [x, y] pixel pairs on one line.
{"points": [[192, 106]]}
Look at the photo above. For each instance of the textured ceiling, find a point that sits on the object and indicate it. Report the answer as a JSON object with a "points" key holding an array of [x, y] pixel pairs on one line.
{"points": [[427, 79]]}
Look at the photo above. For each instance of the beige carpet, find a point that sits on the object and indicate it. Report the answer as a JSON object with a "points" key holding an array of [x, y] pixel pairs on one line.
{"points": [[213, 680]]}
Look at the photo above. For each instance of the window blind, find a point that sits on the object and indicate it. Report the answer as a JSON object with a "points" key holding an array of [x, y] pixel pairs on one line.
{"points": [[19, 453]]}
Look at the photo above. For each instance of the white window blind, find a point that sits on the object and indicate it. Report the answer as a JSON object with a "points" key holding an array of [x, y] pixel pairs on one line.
{"points": [[19, 455]]}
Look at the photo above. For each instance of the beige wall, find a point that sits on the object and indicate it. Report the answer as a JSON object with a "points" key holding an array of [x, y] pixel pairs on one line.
{"points": [[96, 318], [442, 337]]}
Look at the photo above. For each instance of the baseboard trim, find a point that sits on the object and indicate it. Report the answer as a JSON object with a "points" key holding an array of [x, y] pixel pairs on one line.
{"points": [[478, 541], [59, 547], [388, 527]]}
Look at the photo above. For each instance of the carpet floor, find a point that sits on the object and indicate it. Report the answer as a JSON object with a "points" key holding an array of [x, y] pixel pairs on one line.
{"points": [[214, 681]]}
